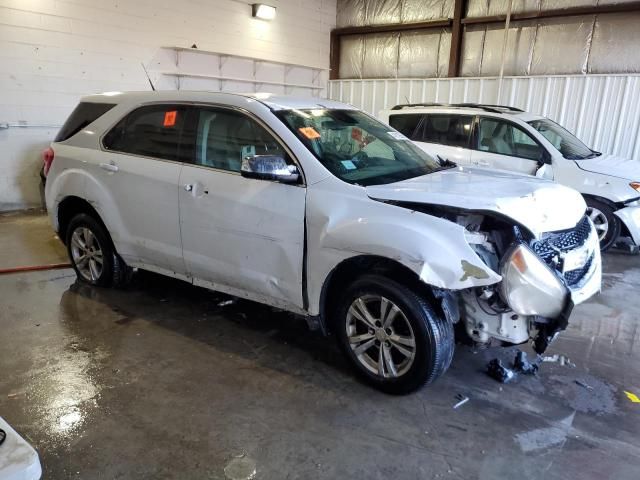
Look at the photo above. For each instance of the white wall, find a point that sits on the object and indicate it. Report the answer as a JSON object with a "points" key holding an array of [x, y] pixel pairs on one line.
{"points": [[54, 51], [602, 110]]}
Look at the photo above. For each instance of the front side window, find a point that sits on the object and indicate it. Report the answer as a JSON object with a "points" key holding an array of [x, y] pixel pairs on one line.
{"points": [[452, 130], [357, 148], [565, 142], [225, 137], [151, 131], [504, 138]]}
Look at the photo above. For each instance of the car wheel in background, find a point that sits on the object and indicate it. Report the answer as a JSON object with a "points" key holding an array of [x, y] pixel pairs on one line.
{"points": [[393, 337], [607, 224]]}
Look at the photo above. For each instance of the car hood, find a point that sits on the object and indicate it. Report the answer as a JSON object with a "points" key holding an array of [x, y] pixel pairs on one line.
{"points": [[538, 205], [612, 166]]}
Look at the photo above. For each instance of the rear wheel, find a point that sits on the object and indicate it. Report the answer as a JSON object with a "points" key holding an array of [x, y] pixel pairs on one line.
{"points": [[92, 254], [607, 224], [393, 337]]}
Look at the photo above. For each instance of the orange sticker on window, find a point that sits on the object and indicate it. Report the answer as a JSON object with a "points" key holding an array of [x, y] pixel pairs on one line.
{"points": [[170, 118], [309, 132]]}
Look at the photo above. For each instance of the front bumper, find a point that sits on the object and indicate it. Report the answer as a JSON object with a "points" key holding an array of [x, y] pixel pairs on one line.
{"points": [[630, 216], [589, 283]]}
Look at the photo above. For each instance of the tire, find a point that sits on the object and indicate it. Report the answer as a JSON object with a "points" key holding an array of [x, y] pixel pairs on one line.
{"points": [[88, 237], [405, 368], [607, 224]]}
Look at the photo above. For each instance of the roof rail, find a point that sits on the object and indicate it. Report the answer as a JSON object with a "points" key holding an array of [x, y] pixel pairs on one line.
{"points": [[487, 108], [482, 105], [406, 105]]}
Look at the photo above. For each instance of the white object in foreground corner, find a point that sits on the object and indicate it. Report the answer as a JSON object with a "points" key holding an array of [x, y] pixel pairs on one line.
{"points": [[18, 459]]}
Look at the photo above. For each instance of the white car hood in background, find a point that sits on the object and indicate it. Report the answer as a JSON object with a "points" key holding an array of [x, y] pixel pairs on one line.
{"points": [[613, 166], [539, 205]]}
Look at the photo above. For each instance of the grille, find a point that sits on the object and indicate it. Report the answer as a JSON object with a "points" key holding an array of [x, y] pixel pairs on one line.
{"points": [[573, 277], [548, 247]]}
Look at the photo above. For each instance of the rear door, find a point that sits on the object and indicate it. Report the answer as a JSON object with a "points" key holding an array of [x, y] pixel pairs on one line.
{"points": [[140, 167], [504, 145], [446, 135], [240, 233]]}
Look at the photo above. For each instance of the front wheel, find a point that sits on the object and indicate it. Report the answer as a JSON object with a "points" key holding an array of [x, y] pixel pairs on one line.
{"points": [[393, 336], [607, 225]]}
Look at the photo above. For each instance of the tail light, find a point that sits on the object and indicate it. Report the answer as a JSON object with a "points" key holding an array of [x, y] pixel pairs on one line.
{"points": [[47, 158]]}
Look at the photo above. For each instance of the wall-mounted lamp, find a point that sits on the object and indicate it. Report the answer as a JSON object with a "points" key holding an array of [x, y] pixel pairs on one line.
{"points": [[265, 12]]}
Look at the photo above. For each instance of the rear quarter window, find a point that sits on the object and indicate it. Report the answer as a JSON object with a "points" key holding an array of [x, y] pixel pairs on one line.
{"points": [[152, 131], [83, 115], [409, 124]]}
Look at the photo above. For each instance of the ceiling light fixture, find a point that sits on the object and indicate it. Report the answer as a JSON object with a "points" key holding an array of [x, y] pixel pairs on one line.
{"points": [[265, 12]]}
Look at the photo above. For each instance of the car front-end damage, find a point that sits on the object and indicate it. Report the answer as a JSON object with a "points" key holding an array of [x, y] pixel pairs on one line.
{"points": [[543, 278], [539, 277]]}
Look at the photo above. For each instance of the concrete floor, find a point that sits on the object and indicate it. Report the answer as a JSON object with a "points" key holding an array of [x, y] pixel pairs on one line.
{"points": [[160, 381]]}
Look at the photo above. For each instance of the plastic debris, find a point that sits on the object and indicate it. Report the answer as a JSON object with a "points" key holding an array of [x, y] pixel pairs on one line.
{"points": [[584, 385], [561, 359], [499, 372], [461, 400], [523, 365], [633, 398]]}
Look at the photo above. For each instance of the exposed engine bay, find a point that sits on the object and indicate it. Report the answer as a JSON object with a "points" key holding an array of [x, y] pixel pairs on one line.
{"points": [[555, 268]]}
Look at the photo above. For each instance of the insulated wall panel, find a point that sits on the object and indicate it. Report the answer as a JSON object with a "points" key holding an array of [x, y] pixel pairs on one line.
{"points": [[616, 41], [422, 10], [380, 56]]}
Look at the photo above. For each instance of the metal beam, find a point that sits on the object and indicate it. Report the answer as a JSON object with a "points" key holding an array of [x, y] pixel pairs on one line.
{"points": [[565, 12], [455, 53], [392, 27], [334, 56]]}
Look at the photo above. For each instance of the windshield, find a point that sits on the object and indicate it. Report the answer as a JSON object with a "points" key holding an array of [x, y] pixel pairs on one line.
{"points": [[565, 142], [358, 149]]}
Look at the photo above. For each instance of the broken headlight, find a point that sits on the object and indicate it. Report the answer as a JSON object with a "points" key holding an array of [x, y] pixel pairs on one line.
{"points": [[529, 286]]}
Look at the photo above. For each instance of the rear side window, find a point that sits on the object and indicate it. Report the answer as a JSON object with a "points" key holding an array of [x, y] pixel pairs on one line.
{"points": [[152, 131], [84, 114], [453, 130], [410, 125]]}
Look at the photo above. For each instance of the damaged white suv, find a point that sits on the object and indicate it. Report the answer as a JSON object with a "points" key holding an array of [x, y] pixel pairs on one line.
{"points": [[315, 207]]}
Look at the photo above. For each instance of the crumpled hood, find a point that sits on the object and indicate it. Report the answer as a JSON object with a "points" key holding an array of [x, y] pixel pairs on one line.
{"points": [[539, 205], [613, 166]]}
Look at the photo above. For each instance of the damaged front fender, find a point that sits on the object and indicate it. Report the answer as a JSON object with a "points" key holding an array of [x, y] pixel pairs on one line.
{"points": [[344, 226]]}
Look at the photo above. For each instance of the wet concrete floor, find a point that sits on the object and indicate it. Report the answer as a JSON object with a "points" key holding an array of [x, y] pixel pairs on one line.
{"points": [[160, 381]]}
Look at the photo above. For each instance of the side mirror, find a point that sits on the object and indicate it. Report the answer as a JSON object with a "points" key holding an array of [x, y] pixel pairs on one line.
{"points": [[269, 167], [545, 158]]}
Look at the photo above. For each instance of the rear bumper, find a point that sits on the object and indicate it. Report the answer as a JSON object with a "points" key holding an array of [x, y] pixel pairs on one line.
{"points": [[630, 216]]}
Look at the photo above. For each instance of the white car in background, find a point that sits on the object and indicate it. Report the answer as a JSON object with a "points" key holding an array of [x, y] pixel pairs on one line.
{"points": [[507, 138], [315, 207]]}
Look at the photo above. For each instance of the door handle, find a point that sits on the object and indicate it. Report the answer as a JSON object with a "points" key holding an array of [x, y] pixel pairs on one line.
{"points": [[483, 163], [109, 167], [188, 187]]}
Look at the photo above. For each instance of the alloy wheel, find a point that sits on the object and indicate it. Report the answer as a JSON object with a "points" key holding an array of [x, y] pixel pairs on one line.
{"points": [[600, 221], [380, 336], [86, 253]]}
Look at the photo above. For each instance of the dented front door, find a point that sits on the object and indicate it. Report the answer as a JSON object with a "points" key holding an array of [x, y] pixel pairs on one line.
{"points": [[245, 234]]}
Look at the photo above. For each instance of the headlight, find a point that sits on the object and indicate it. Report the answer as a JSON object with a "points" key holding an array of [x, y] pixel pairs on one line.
{"points": [[635, 186], [529, 286]]}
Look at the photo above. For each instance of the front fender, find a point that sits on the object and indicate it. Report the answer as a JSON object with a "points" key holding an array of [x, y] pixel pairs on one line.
{"points": [[630, 216], [341, 227]]}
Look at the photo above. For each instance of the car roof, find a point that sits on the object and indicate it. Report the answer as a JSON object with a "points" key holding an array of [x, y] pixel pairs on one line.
{"points": [[273, 101], [465, 109]]}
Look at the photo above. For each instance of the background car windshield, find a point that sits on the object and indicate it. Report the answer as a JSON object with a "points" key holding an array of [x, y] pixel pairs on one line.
{"points": [[356, 148], [564, 141]]}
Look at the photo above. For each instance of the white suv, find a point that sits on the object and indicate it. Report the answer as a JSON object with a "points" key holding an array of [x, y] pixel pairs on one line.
{"points": [[315, 207], [507, 138]]}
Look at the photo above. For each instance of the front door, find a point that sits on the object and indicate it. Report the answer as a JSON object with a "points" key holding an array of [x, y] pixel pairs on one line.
{"points": [[505, 146], [243, 234]]}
